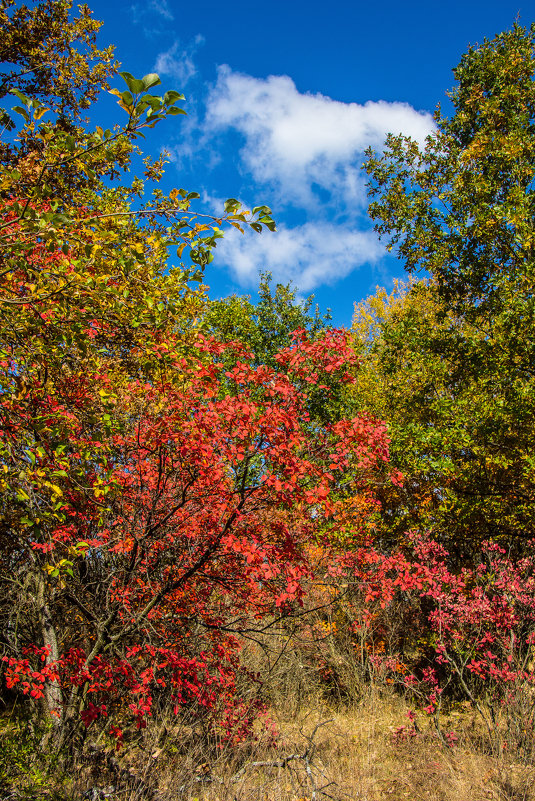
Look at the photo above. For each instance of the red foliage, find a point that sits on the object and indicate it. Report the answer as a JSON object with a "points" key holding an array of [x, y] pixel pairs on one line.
{"points": [[479, 622], [177, 527]]}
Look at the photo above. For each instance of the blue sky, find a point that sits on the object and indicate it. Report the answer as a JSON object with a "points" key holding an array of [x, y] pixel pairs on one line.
{"points": [[282, 100]]}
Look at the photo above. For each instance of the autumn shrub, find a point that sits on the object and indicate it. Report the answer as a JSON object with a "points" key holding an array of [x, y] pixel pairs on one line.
{"points": [[447, 637]]}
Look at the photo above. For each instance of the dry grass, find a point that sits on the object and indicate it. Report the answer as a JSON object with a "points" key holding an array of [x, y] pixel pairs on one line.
{"points": [[337, 738], [321, 753], [358, 756]]}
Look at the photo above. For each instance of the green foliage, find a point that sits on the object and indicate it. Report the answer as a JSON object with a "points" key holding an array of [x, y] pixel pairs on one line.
{"points": [[266, 326], [456, 357], [24, 763], [49, 55], [462, 208], [461, 423]]}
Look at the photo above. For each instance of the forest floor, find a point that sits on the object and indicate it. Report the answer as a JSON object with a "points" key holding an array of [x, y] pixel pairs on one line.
{"points": [[366, 752], [364, 742], [369, 752]]}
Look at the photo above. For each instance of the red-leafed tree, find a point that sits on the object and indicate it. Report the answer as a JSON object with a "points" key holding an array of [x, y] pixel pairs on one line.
{"points": [[158, 487], [190, 529]]}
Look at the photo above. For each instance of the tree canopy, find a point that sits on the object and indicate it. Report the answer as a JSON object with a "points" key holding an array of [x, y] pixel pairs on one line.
{"points": [[159, 486], [462, 207], [456, 354]]}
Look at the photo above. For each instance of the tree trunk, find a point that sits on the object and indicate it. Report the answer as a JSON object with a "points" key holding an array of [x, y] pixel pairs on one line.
{"points": [[53, 700]]}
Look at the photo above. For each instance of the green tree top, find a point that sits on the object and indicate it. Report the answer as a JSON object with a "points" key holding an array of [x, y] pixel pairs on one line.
{"points": [[48, 54], [462, 209], [265, 327]]}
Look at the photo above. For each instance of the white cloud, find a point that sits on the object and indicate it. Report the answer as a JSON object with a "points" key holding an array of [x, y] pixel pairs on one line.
{"points": [[308, 255], [178, 61], [158, 7], [301, 153], [297, 141]]}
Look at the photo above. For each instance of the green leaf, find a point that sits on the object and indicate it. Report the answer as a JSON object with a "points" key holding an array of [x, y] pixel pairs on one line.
{"points": [[232, 204], [154, 101], [152, 79], [173, 111], [134, 84], [23, 98], [22, 112], [171, 97]]}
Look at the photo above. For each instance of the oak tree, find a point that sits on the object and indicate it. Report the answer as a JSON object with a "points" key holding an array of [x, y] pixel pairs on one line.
{"points": [[457, 354]]}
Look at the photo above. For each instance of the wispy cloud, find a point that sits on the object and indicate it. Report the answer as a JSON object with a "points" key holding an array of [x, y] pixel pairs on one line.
{"points": [[306, 145], [308, 255], [151, 14], [161, 7], [178, 61]]}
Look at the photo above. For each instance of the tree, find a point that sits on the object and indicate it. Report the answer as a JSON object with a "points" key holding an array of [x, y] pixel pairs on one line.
{"points": [[460, 432], [462, 208], [198, 526], [54, 57], [156, 492], [459, 353], [267, 325]]}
